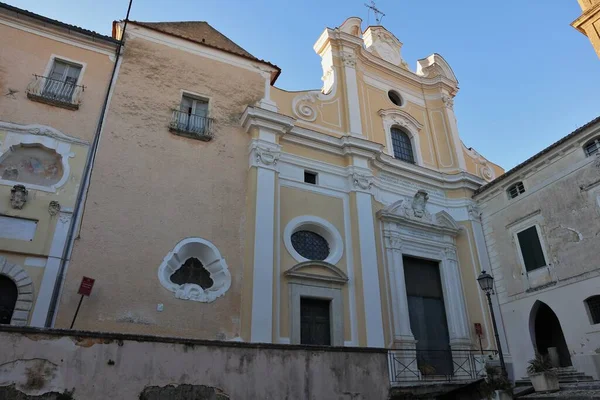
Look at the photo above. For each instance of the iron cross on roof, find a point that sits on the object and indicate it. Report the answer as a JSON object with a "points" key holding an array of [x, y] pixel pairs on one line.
{"points": [[378, 14]]}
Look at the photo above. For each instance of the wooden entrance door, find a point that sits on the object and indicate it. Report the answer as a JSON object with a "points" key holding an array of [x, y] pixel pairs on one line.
{"points": [[315, 321], [428, 316]]}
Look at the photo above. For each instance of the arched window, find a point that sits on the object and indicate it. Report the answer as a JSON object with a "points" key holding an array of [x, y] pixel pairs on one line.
{"points": [[402, 146], [8, 299], [592, 147], [593, 306], [515, 190]]}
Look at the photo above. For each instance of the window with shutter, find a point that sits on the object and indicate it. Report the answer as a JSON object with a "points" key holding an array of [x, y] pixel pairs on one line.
{"points": [[531, 249]]}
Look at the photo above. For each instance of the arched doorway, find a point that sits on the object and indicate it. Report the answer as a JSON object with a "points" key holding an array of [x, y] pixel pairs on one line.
{"points": [[8, 299], [546, 332]]}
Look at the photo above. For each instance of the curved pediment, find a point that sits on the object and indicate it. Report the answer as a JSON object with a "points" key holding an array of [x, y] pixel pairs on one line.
{"points": [[416, 213], [444, 219], [317, 270], [433, 66]]}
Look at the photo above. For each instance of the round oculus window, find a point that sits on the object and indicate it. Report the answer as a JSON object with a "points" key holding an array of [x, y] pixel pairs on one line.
{"points": [[310, 245], [395, 97]]}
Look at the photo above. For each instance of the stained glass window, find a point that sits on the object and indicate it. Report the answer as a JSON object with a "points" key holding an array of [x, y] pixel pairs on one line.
{"points": [[402, 146], [310, 245]]}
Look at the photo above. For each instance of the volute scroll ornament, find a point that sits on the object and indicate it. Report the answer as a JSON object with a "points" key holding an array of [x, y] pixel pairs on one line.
{"points": [[304, 106]]}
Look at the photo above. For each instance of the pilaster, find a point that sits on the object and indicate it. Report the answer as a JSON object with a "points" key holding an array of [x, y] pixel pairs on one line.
{"points": [[44, 297], [264, 153]]}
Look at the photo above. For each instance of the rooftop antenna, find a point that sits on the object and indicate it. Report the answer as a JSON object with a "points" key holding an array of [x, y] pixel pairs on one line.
{"points": [[378, 14]]}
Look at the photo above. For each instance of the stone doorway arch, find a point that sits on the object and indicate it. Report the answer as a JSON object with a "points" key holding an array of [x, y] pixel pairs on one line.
{"points": [[24, 302], [546, 332]]}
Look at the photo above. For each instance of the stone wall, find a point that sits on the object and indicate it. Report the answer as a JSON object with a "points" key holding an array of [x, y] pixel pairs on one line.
{"points": [[91, 365]]}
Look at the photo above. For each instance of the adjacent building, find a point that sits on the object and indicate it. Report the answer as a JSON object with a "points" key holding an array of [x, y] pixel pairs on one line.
{"points": [[53, 83], [542, 224], [589, 22]]}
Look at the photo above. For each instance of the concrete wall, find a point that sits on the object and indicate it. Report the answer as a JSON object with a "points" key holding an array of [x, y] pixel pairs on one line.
{"points": [[102, 366], [562, 199]]}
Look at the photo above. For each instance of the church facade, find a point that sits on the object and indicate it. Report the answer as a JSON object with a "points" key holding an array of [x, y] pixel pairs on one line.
{"points": [[341, 216], [223, 207]]}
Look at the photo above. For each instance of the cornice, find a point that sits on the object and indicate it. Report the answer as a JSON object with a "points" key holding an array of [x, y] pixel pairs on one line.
{"points": [[350, 145], [270, 120], [583, 18], [61, 34], [387, 216]]}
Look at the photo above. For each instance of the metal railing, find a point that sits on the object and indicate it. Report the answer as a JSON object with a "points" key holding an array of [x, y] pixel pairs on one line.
{"points": [[54, 91], [410, 366], [195, 126]]}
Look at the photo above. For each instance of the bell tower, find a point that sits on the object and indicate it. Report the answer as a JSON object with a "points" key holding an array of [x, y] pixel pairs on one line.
{"points": [[589, 22]]}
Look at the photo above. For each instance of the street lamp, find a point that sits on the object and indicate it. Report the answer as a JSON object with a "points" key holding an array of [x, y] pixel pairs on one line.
{"points": [[486, 281]]}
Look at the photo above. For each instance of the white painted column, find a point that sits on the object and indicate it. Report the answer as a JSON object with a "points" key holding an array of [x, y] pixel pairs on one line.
{"points": [[456, 311], [351, 84], [403, 335], [264, 156], [368, 258], [451, 118], [42, 303]]}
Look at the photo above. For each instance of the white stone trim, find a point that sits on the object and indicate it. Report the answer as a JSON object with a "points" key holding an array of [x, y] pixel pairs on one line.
{"points": [[352, 98], [211, 259], [286, 182], [403, 120], [539, 276], [336, 311], [319, 226], [52, 266], [433, 242], [46, 136], [369, 268], [25, 295], [67, 60]]}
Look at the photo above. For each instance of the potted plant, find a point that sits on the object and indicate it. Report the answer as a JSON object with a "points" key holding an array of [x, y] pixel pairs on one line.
{"points": [[542, 374], [496, 386]]}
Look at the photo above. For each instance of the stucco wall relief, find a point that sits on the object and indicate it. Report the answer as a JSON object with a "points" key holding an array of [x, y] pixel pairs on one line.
{"points": [[210, 257]]}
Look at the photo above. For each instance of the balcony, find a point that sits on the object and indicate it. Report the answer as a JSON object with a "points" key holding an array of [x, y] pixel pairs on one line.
{"points": [[414, 367], [55, 92], [191, 125]]}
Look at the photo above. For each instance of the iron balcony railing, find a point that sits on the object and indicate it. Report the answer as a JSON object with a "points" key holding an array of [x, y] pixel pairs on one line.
{"points": [[191, 125], [410, 366], [55, 92]]}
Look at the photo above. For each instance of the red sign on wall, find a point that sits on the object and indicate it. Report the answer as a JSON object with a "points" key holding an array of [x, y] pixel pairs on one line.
{"points": [[478, 329], [85, 288]]}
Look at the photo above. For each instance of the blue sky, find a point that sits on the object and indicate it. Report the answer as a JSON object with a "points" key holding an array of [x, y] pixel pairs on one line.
{"points": [[527, 78]]}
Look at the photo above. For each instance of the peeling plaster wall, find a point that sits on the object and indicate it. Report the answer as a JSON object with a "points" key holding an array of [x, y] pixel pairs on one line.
{"points": [[562, 198], [103, 366], [154, 189]]}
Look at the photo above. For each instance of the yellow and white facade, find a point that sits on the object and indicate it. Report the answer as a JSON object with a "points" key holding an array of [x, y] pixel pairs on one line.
{"points": [[372, 208], [371, 167]]}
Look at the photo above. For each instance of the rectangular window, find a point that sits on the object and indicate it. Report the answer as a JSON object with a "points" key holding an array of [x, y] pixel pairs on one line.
{"points": [[531, 249], [62, 81], [315, 326], [594, 307], [193, 115], [310, 177]]}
